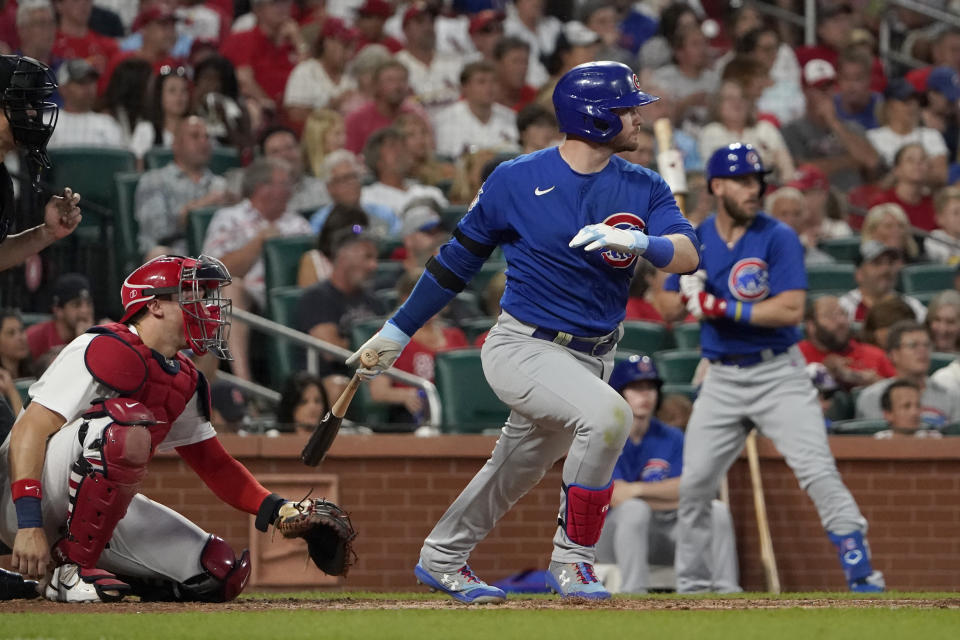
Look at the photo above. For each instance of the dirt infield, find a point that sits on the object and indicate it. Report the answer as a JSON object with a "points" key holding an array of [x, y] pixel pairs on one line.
{"points": [[350, 603]]}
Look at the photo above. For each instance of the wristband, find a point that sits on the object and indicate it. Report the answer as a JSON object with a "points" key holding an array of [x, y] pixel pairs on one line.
{"points": [[739, 311], [26, 488], [659, 251], [267, 513], [29, 512]]}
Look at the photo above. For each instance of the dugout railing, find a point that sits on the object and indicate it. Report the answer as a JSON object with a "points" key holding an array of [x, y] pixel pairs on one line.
{"points": [[315, 347]]}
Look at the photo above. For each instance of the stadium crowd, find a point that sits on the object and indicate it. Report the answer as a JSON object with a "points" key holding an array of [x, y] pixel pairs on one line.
{"points": [[360, 131]]}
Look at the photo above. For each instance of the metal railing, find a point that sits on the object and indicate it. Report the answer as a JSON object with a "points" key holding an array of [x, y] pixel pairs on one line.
{"points": [[315, 347], [888, 54]]}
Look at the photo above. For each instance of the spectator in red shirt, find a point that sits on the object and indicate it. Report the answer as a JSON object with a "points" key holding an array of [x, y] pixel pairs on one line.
{"points": [[911, 171], [512, 57], [158, 26], [878, 267], [390, 91], [72, 309], [371, 17], [639, 304], [76, 40], [829, 341], [265, 55], [417, 358]]}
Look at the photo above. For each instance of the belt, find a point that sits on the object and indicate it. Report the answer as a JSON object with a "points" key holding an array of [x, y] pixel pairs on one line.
{"points": [[748, 359], [591, 346]]}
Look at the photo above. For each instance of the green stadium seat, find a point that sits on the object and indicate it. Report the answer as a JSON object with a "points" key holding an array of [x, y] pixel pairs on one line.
{"points": [[451, 215], [389, 298], [363, 330], [677, 366], [29, 318], [90, 172], [197, 222], [387, 274], [386, 247], [939, 360], [157, 158], [687, 335], [830, 278], [483, 277], [921, 278], [469, 405], [23, 386], [952, 429], [476, 327], [282, 302], [126, 229], [645, 337], [223, 159], [842, 407], [281, 259], [683, 389], [859, 427], [842, 249]]}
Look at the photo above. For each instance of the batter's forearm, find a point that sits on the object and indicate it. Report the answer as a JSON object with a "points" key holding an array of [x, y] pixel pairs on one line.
{"points": [[686, 258]]}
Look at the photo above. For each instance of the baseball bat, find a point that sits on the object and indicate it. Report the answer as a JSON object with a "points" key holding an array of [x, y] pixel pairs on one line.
{"points": [[670, 161], [767, 557], [325, 433]]}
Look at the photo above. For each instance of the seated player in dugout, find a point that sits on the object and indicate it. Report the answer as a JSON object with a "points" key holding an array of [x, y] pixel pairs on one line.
{"points": [[71, 469], [641, 527]]}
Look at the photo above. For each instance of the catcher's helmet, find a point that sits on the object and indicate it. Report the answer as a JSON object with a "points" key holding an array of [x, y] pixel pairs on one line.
{"points": [[26, 87], [586, 95], [633, 369], [737, 159], [197, 284]]}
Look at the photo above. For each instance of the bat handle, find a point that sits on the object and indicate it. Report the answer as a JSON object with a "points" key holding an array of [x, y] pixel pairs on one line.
{"points": [[339, 408]]}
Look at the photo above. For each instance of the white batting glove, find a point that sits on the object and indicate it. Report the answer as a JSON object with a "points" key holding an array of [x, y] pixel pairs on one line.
{"points": [[693, 284], [388, 343], [602, 236]]}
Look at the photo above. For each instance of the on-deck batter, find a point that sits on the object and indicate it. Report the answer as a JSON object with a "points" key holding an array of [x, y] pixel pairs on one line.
{"points": [[750, 296], [553, 345]]}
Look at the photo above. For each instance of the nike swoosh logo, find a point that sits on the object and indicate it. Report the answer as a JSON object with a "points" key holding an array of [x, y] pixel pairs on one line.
{"points": [[538, 192], [129, 405], [30, 487]]}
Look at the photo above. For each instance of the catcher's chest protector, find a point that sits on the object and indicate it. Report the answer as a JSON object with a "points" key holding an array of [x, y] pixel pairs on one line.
{"points": [[169, 385]]}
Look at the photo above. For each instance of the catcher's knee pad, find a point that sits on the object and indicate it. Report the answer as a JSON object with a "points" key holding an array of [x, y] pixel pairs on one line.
{"points": [[105, 478], [224, 576], [586, 510]]}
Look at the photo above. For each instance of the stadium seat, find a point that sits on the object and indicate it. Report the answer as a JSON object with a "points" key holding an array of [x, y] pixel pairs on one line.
{"points": [[126, 229], [842, 407], [859, 427], [475, 327], [922, 278], [30, 318], [483, 277], [687, 335], [222, 159], [387, 274], [389, 298], [939, 360], [952, 429], [23, 386], [677, 366], [842, 249], [645, 337], [281, 259], [451, 216], [469, 405], [197, 222], [363, 330], [830, 278], [157, 158], [282, 302], [90, 172]]}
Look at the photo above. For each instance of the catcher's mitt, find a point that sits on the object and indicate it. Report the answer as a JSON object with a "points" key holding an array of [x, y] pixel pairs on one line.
{"points": [[327, 530]]}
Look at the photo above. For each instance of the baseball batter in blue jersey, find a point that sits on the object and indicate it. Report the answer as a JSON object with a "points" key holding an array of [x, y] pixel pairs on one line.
{"points": [[750, 295], [641, 527], [572, 221]]}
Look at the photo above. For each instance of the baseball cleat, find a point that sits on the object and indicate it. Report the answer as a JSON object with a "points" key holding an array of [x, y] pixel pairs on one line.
{"points": [[461, 585], [874, 583], [13, 586], [71, 583], [575, 580]]}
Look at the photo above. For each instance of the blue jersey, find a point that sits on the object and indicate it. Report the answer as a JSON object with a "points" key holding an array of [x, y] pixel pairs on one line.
{"points": [[533, 205], [767, 260], [658, 456]]}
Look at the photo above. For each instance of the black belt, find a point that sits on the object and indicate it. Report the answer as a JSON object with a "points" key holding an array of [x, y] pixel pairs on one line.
{"points": [[748, 359], [592, 346]]}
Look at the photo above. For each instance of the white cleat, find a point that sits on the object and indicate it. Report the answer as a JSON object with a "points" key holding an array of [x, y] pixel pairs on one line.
{"points": [[71, 583]]}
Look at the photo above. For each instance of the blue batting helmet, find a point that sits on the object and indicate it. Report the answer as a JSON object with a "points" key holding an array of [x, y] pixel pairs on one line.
{"points": [[586, 95], [737, 159], [633, 369]]}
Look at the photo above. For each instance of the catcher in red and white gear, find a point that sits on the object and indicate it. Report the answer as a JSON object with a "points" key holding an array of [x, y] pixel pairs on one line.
{"points": [[75, 457]]}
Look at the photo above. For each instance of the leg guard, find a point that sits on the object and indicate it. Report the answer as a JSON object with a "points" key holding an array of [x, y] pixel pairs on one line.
{"points": [[103, 481], [586, 510], [854, 557]]}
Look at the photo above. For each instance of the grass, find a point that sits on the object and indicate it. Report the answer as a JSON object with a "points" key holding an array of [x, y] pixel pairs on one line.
{"points": [[491, 623]]}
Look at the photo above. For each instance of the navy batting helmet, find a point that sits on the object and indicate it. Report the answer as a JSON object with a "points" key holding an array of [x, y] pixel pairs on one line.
{"points": [[633, 369], [586, 95], [737, 159]]}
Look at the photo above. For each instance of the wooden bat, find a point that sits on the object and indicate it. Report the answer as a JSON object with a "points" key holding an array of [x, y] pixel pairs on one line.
{"points": [[767, 556], [323, 436], [670, 161]]}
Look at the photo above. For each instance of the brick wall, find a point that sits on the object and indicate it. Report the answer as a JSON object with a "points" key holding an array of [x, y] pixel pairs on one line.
{"points": [[396, 487]]}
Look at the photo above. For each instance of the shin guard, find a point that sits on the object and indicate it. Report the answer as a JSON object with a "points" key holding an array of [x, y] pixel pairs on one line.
{"points": [[854, 555], [586, 510]]}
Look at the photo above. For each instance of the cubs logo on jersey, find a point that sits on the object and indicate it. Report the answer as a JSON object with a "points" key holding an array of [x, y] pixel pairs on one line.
{"points": [[749, 280], [622, 220], [656, 470]]}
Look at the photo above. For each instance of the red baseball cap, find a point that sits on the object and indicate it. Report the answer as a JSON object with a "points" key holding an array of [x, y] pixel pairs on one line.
{"points": [[809, 177], [416, 10], [335, 28], [155, 13], [818, 73], [482, 19], [380, 8]]}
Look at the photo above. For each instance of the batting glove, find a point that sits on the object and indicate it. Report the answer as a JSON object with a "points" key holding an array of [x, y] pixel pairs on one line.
{"points": [[388, 343], [706, 305], [692, 285], [602, 236]]}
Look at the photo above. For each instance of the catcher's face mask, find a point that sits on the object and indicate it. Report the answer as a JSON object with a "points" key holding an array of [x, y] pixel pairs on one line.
{"points": [[27, 85]]}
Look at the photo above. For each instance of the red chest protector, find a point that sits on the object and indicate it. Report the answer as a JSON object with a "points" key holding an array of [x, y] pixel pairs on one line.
{"points": [[119, 359]]}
